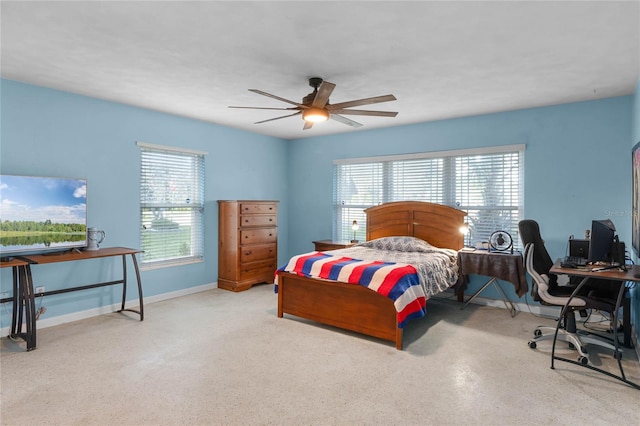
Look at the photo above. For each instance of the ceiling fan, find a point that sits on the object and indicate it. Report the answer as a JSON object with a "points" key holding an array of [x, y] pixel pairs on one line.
{"points": [[315, 107]]}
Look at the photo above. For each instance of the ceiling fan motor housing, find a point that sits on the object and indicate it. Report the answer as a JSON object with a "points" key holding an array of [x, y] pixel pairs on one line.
{"points": [[315, 82], [308, 100]]}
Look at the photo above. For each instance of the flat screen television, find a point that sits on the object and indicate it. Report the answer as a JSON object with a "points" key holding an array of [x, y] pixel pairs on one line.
{"points": [[602, 235], [42, 214]]}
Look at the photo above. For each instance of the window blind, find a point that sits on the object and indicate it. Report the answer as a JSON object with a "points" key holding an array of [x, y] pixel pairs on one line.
{"points": [[486, 183], [171, 205]]}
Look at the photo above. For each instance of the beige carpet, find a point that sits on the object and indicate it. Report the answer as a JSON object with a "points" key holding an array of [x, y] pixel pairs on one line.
{"points": [[225, 358]]}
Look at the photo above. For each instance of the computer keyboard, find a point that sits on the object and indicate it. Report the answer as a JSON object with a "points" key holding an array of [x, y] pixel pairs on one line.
{"points": [[573, 262]]}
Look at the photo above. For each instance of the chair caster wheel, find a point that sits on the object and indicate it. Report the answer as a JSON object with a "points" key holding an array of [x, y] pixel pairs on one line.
{"points": [[537, 333], [617, 355], [583, 360], [532, 344]]}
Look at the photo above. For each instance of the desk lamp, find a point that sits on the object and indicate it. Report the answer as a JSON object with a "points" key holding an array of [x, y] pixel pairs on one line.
{"points": [[355, 228]]}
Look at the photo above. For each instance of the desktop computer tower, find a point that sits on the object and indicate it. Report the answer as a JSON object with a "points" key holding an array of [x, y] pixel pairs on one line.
{"points": [[618, 253]]}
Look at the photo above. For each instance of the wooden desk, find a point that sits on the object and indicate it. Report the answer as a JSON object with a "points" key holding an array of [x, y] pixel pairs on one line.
{"points": [[23, 301], [496, 266], [631, 274], [26, 298]]}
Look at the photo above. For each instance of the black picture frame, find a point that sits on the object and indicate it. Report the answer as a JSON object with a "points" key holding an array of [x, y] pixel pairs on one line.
{"points": [[635, 207]]}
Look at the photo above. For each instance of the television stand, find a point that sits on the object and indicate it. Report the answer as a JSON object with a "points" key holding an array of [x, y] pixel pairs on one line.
{"points": [[61, 252], [24, 297]]}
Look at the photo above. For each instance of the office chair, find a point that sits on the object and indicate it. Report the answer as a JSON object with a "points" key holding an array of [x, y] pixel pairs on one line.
{"points": [[546, 290]]}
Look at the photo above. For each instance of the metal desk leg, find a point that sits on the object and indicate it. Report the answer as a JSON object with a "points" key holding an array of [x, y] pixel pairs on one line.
{"points": [[124, 286], [30, 307], [626, 319], [23, 304], [16, 319], [505, 299], [622, 377], [124, 281], [135, 266]]}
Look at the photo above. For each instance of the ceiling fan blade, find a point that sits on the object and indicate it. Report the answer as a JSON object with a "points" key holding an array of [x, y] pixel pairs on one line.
{"points": [[366, 101], [269, 95], [278, 118], [277, 109], [322, 97], [345, 120], [364, 112], [307, 125]]}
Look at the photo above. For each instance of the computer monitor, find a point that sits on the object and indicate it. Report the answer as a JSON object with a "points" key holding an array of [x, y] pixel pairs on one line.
{"points": [[602, 234]]}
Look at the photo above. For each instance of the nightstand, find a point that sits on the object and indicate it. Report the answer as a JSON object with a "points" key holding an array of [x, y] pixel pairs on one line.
{"points": [[326, 245]]}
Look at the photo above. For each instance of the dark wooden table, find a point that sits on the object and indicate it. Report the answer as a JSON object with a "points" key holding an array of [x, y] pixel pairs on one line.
{"points": [[24, 297], [632, 274], [497, 266]]}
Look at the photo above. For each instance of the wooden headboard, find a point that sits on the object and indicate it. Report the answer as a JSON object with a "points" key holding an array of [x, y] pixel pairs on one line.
{"points": [[437, 224]]}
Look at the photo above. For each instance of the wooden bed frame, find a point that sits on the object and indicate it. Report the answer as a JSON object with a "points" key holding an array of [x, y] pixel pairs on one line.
{"points": [[357, 308]]}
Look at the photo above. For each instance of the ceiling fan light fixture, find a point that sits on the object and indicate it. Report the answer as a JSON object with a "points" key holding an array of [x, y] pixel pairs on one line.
{"points": [[315, 115]]}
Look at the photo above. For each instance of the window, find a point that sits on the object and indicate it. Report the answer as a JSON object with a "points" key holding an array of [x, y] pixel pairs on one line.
{"points": [[486, 183], [171, 205]]}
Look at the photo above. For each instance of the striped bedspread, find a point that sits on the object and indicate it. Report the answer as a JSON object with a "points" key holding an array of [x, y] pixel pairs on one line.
{"points": [[398, 281]]}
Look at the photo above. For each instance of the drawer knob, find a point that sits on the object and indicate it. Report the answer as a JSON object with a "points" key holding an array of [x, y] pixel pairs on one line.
{"points": [[247, 252]]}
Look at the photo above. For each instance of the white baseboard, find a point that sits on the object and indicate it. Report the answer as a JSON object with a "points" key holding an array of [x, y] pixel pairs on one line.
{"points": [[75, 316]]}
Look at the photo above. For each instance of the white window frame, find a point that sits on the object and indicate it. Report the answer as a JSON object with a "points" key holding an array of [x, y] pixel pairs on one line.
{"points": [[182, 168], [376, 176]]}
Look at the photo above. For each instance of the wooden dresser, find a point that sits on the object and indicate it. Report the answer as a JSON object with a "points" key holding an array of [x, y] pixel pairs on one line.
{"points": [[247, 243]]}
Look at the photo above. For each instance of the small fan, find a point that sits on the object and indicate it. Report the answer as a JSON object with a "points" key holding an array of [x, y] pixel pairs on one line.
{"points": [[501, 241]]}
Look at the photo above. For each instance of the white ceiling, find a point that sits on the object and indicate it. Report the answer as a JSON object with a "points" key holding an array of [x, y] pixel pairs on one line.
{"points": [[441, 59]]}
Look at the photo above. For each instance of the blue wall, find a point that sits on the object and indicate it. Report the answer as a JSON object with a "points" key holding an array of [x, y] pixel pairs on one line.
{"points": [[51, 133], [576, 169], [576, 165]]}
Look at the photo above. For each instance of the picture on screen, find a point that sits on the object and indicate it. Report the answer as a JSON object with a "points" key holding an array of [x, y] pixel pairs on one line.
{"points": [[39, 214]]}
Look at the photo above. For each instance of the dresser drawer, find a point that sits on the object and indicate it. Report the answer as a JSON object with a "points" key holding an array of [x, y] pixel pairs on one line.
{"points": [[256, 208], [258, 220], [258, 236], [265, 268], [255, 253]]}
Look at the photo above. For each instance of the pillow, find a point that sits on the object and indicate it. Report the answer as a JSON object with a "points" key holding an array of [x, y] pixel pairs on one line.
{"points": [[406, 244]]}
